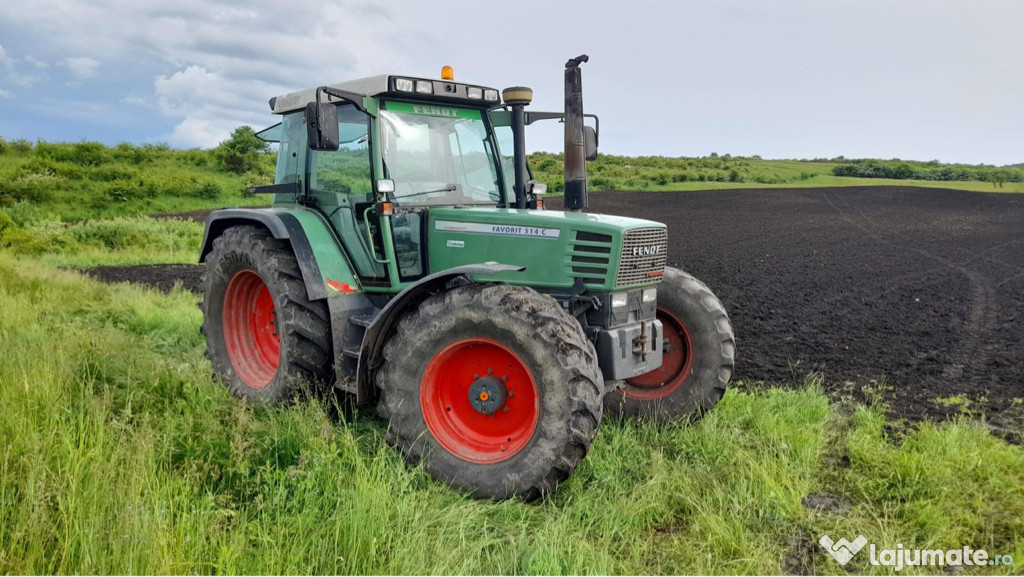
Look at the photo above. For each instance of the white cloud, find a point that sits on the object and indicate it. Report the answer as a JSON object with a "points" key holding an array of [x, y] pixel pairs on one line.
{"points": [[36, 63], [82, 67], [23, 80], [221, 61], [208, 105], [6, 94], [5, 61]]}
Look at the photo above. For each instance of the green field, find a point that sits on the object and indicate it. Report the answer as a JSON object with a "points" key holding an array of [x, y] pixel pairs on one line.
{"points": [[725, 172], [119, 454]]}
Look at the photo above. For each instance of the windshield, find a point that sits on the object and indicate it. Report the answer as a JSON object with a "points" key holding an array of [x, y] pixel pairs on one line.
{"points": [[438, 155]]}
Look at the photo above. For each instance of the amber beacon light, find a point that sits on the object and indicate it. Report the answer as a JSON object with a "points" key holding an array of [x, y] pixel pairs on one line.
{"points": [[447, 73]]}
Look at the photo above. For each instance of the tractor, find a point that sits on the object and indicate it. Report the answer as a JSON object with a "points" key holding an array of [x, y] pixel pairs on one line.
{"points": [[407, 259]]}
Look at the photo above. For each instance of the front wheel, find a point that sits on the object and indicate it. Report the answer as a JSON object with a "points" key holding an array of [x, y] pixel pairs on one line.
{"points": [[698, 358], [494, 388]]}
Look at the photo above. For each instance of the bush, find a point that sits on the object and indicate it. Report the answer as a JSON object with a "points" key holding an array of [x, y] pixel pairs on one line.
{"points": [[128, 152], [207, 190], [241, 152], [6, 222], [20, 146], [29, 188], [112, 173], [81, 153], [24, 213]]}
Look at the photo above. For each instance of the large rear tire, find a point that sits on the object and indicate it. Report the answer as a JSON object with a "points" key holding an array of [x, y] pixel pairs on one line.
{"points": [[263, 335], [699, 352], [494, 388]]}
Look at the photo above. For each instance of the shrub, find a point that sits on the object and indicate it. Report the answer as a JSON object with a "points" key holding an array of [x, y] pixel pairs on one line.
{"points": [[81, 153], [128, 152], [25, 213], [112, 173], [207, 190], [20, 145], [240, 153], [6, 222], [29, 188]]}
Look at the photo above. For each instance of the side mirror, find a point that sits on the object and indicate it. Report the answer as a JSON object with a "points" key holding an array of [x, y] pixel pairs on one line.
{"points": [[590, 142], [322, 126]]}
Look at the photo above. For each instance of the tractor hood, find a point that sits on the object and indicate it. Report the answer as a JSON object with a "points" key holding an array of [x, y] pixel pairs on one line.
{"points": [[557, 249]]}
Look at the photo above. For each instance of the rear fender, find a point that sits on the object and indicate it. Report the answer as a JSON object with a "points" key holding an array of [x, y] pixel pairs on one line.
{"points": [[324, 265]]}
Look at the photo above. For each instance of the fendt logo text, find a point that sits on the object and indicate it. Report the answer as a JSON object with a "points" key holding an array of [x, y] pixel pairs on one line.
{"points": [[653, 250]]}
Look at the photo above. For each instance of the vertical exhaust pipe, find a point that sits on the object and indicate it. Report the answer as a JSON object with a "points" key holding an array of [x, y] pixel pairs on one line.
{"points": [[575, 147], [517, 98]]}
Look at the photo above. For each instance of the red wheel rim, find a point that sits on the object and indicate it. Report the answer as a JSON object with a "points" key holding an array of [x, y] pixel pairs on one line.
{"points": [[250, 329], [459, 427], [675, 367]]}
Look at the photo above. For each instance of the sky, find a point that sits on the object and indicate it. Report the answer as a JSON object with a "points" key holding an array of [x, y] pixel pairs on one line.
{"points": [[911, 79]]}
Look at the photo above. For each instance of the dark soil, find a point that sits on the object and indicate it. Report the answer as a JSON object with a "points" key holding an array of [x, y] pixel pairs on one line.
{"points": [[911, 295], [919, 290], [161, 276]]}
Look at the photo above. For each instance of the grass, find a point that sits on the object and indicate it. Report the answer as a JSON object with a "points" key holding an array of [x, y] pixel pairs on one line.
{"points": [[73, 182], [727, 172], [119, 455]]}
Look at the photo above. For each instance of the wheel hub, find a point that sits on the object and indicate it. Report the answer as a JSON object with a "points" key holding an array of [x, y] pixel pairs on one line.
{"points": [[480, 400], [487, 394]]}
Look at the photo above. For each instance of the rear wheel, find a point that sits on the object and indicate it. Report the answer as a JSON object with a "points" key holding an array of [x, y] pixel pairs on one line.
{"points": [[263, 335], [699, 351], [493, 388]]}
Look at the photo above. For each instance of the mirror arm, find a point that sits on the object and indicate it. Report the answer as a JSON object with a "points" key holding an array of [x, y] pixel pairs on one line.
{"points": [[532, 117], [355, 98]]}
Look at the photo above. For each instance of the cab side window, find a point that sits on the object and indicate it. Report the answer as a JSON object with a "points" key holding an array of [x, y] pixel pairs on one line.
{"points": [[346, 171]]}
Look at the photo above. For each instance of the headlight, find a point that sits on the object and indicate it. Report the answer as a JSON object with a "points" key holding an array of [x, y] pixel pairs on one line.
{"points": [[403, 84], [650, 295], [424, 87], [619, 300], [491, 94], [474, 92]]}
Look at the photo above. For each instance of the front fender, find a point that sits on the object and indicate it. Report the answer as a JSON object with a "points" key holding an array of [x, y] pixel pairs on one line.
{"points": [[376, 336]]}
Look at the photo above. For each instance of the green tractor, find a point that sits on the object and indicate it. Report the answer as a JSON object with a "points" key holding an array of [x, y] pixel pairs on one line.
{"points": [[407, 260]]}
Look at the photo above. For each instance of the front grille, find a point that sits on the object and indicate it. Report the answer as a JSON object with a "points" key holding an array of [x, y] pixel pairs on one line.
{"points": [[590, 257], [644, 253]]}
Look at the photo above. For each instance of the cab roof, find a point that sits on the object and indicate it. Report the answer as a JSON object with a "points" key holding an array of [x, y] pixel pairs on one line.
{"points": [[384, 84]]}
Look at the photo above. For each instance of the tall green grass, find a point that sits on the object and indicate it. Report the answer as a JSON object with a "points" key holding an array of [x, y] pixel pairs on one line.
{"points": [[75, 181], [119, 455], [26, 230]]}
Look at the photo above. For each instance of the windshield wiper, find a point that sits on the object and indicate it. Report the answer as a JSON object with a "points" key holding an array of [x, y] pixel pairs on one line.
{"points": [[448, 188]]}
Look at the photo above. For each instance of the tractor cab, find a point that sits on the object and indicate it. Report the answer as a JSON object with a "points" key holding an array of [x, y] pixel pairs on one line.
{"points": [[394, 146]]}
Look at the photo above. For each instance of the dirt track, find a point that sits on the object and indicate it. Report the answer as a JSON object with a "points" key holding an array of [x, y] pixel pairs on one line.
{"points": [[922, 289]]}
